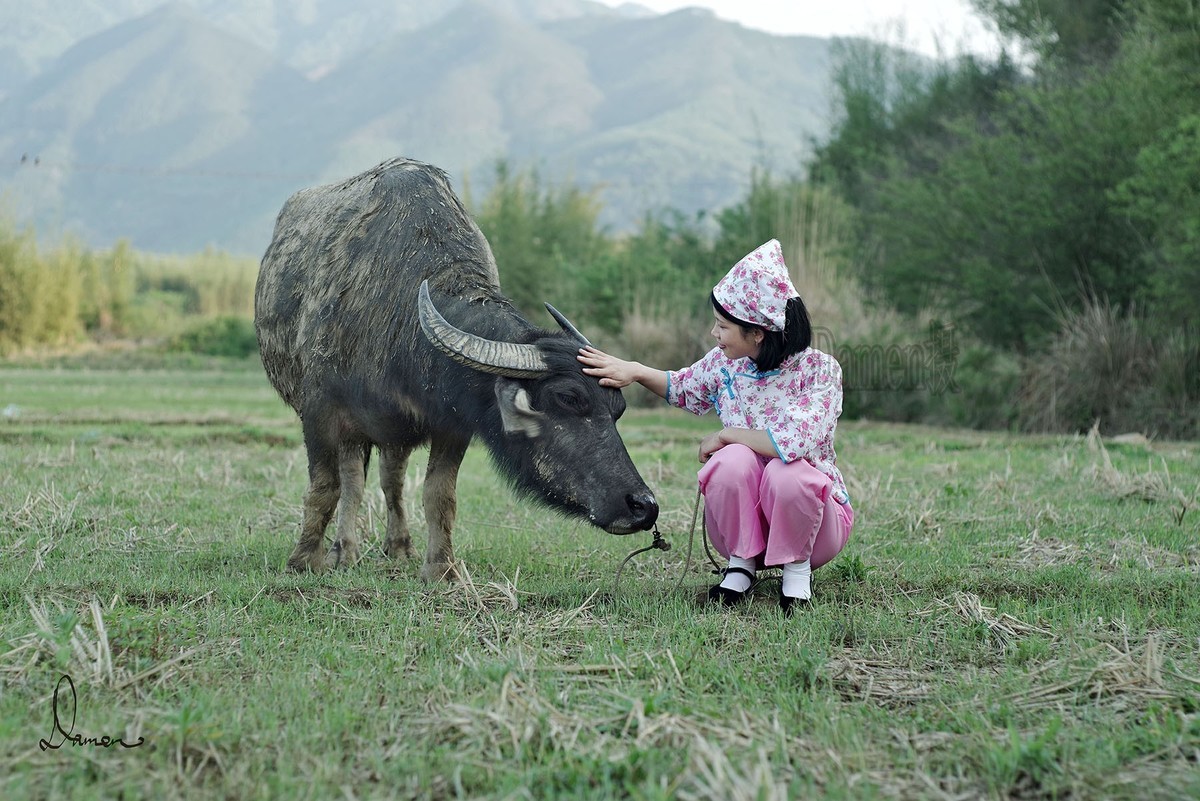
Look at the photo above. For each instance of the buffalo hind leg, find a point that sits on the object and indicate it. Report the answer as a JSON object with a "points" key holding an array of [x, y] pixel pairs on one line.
{"points": [[393, 464], [445, 456], [320, 500], [352, 469]]}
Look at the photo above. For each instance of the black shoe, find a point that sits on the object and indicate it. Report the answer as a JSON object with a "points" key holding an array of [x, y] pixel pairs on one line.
{"points": [[726, 596], [788, 604]]}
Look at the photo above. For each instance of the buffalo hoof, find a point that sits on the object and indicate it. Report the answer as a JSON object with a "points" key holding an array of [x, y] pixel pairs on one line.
{"points": [[397, 548], [344, 554], [439, 571], [306, 562]]}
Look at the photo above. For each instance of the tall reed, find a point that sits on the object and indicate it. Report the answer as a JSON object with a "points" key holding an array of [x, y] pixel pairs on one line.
{"points": [[1106, 368], [209, 284], [60, 295], [40, 293]]}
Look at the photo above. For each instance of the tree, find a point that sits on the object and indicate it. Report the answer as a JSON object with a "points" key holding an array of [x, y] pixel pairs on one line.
{"points": [[541, 237], [1071, 31], [1160, 201], [995, 197]]}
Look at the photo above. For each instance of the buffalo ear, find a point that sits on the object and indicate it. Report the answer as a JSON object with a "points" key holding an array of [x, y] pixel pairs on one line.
{"points": [[518, 416]]}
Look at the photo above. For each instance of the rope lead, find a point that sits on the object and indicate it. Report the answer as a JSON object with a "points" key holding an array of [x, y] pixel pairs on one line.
{"points": [[662, 545]]}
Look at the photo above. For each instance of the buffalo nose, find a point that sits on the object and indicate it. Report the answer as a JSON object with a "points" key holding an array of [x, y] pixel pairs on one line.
{"points": [[644, 509]]}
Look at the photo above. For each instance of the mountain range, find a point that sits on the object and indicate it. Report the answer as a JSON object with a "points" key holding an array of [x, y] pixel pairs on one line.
{"points": [[186, 125]]}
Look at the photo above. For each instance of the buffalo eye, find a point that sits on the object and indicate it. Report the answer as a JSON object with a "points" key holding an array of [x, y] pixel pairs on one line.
{"points": [[573, 401]]}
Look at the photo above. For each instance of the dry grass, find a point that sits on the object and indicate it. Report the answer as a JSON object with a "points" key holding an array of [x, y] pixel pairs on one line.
{"points": [[978, 639], [1122, 676], [1003, 626], [879, 680], [715, 775], [76, 642], [1152, 486]]}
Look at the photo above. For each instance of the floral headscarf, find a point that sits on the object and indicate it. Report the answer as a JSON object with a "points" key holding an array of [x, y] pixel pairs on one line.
{"points": [[758, 287]]}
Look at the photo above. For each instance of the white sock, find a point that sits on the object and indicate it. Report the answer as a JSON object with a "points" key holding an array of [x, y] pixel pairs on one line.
{"points": [[736, 581], [797, 580]]}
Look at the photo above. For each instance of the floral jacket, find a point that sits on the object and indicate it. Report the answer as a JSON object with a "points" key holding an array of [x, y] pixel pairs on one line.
{"points": [[797, 405]]}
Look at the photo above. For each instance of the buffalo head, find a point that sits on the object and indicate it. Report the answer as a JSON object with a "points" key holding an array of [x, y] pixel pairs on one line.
{"points": [[550, 429]]}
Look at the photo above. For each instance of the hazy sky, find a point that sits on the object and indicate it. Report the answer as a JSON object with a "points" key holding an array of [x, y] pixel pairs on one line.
{"points": [[917, 24]]}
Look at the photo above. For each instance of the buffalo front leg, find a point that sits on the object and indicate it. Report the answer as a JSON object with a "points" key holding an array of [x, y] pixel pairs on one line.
{"points": [[320, 499], [393, 464], [352, 470], [445, 456]]}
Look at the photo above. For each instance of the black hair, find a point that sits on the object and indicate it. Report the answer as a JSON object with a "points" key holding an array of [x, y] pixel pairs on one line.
{"points": [[776, 345]]}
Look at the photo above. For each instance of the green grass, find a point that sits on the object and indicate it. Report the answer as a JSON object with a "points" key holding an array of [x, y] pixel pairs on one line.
{"points": [[1014, 617]]}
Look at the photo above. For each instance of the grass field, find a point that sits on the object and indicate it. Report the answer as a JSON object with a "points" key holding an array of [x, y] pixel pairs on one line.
{"points": [[1014, 617]]}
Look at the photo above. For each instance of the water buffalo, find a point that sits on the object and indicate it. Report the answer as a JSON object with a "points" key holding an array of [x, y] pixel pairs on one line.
{"points": [[353, 310]]}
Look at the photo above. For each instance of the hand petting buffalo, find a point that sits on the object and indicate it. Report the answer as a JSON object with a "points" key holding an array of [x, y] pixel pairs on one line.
{"points": [[381, 321]]}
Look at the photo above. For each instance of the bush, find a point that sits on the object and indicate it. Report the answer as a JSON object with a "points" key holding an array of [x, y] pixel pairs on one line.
{"points": [[884, 373], [987, 383], [220, 336], [1176, 383], [1104, 369], [897, 376]]}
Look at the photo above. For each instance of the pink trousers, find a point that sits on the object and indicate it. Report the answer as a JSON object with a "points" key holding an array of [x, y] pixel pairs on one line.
{"points": [[777, 511]]}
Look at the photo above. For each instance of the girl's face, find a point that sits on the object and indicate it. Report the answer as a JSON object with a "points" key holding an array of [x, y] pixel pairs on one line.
{"points": [[733, 340]]}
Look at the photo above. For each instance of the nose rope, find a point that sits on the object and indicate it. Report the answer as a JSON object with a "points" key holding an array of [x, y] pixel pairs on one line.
{"points": [[658, 543], [662, 545]]}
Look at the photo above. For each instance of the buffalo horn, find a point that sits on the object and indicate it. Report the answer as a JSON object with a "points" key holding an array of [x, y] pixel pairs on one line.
{"points": [[566, 325], [508, 359]]}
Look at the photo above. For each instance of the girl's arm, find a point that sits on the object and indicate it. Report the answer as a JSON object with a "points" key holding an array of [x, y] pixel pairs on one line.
{"points": [[757, 441], [617, 373]]}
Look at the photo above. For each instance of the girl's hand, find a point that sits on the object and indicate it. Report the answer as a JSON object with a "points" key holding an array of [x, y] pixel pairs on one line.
{"points": [[611, 371], [710, 445]]}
